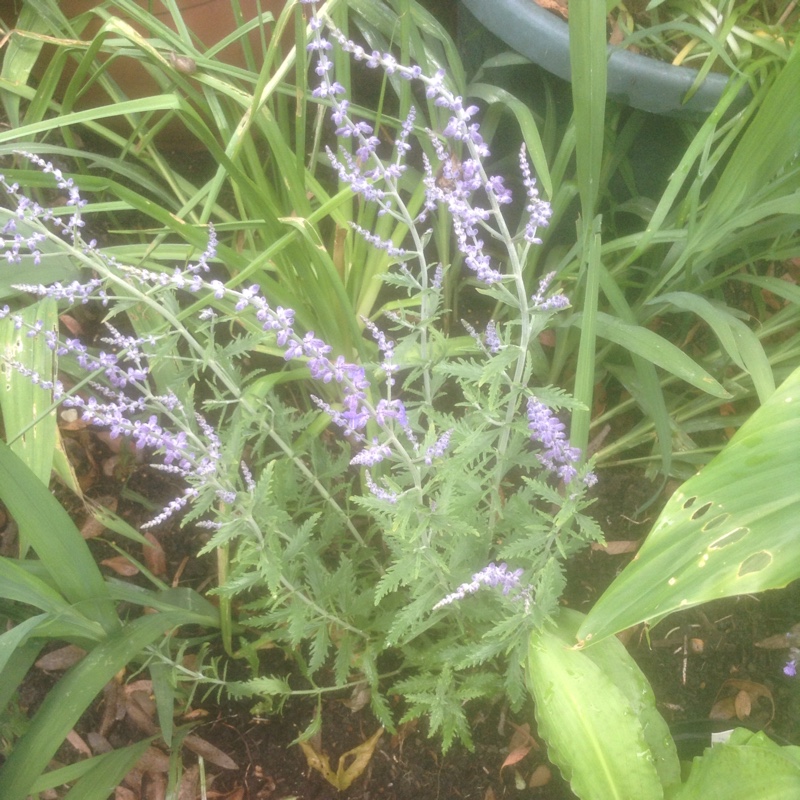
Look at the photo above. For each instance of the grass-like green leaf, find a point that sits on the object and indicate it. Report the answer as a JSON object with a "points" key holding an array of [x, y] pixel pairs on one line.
{"points": [[45, 525], [738, 341], [94, 778], [30, 429], [730, 530], [65, 703], [657, 350]]}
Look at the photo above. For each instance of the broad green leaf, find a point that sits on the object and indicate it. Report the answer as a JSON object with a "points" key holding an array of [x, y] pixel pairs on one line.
{"points": [[592, 711], [30, 429], [45, 525], [748, 766], [71, 696], [732, 529]]}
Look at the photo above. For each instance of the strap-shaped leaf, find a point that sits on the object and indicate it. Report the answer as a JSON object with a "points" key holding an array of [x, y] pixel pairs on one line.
{"points": [[71, 696], [62, 550], [730, 530]]}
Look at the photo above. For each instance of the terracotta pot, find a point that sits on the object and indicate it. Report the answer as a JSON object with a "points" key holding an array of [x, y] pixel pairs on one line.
{"points": [[209, 21]]}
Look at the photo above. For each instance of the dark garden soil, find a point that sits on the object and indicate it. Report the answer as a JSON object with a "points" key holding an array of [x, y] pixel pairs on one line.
{"points": [[701, 663]]}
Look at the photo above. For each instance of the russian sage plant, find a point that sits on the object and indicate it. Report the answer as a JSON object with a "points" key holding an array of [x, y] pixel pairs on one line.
{"points": [[414, 545]]}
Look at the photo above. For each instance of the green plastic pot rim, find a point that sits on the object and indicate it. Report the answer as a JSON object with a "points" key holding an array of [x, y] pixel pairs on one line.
{"points": [[636, 80]]}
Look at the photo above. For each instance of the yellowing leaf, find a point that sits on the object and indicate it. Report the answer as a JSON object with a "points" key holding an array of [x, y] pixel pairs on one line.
{"points": [[344, 775]]}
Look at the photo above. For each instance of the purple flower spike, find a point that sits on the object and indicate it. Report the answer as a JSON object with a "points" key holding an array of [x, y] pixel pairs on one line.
{"points": [[558, 455], [491, 575]]}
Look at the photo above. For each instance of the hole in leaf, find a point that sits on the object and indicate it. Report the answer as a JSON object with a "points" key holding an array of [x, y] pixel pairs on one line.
{"points": [[689, 502], [755, 563], [716, 522], [731, 537], [702, 511]]}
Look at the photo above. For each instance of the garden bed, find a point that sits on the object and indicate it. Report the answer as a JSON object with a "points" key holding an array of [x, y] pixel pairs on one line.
{"points": [[689, 659]]}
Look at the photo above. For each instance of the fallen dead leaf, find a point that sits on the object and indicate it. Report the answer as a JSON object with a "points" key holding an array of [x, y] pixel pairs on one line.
{"points": [[782, 640], [121, 565], [743, 705], [209, 752], [555, 6], [79, 744], [190, 783], [359, 697], [63, 658], [344, 775], [738, 699], [520, 745], [541, 776], [617, 548], [154, 557]]}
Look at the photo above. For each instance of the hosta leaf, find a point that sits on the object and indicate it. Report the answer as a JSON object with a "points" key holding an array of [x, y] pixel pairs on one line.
{"points": [[598, 717], [748, 765], [730, 530]]}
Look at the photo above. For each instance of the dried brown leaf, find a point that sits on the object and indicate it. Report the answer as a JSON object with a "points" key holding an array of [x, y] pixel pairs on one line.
{"points": [[541, 776], [209, 752], [516, 755], [559, 7], [79, 744], [121, 566], [618, 547], [153, 761], [782, 640], [63, 658], [190, 783], [743, 705], [155, 558], [359, 697], [344, 775], [723, 709]]}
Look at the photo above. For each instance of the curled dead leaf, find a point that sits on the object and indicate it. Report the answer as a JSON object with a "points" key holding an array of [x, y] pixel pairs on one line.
{"points": [[345, 773]]}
